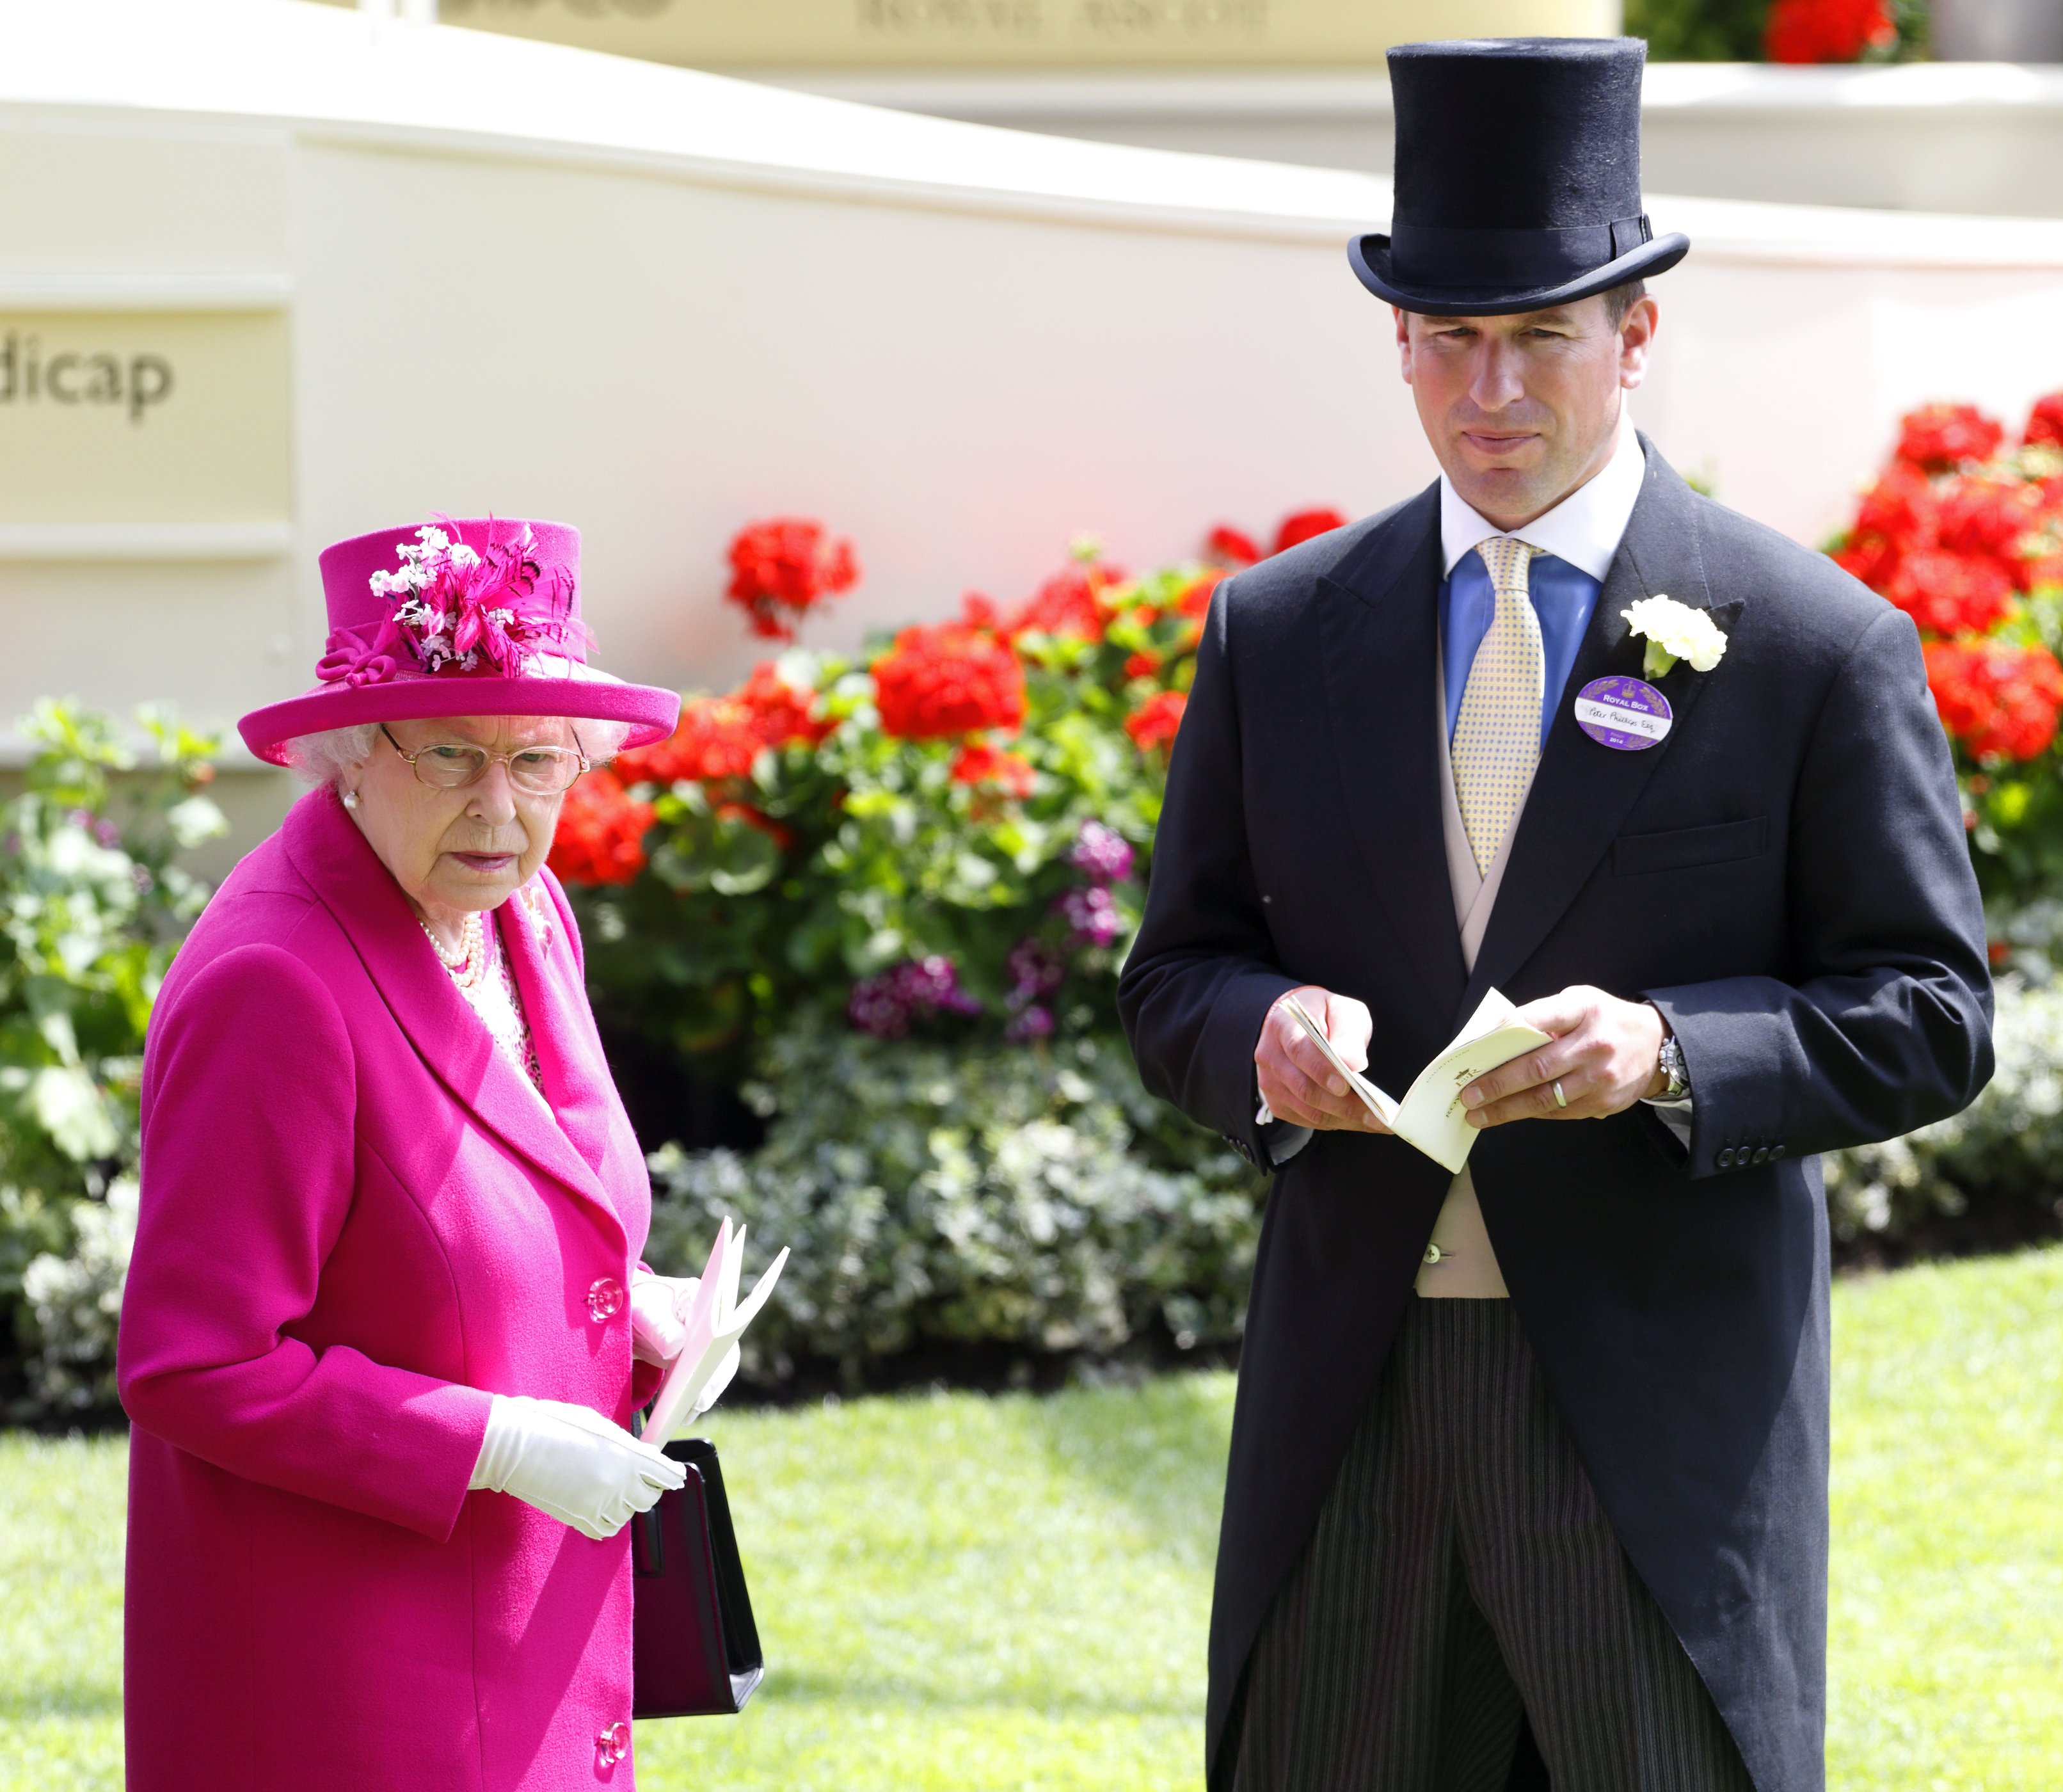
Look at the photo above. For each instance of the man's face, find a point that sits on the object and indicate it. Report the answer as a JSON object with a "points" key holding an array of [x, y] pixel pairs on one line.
{"points": [[1523, 410]]}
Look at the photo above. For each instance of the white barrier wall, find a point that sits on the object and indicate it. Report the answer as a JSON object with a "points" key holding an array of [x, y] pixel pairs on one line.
{"points": [[397, 270], [1985, 138]]}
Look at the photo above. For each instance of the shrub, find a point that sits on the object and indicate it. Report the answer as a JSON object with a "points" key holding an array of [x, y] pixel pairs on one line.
{"points": [[1987, 1177], [937, 1196], [92, 906]]}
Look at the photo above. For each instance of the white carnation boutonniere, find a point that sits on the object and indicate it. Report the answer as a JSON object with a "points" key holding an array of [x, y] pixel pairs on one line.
{"points": [[1675, 631]]}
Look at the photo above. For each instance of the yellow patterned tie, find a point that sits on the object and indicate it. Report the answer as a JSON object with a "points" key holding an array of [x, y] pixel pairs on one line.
{"points": [[1497, 736]]}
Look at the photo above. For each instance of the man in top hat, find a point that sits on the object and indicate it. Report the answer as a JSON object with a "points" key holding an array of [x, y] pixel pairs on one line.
{"points": [[1529, 1464]]}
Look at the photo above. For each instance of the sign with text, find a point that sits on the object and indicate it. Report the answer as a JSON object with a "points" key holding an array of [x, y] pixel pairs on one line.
{"points": [[975, 33], [141, 416]]}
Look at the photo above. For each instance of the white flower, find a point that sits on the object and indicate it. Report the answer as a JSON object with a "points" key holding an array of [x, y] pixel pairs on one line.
{"points": [[462, 557], [1675, 631]]}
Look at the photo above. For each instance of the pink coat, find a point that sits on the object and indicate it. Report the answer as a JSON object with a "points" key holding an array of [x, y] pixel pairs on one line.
{"points": [[357, 1222]]}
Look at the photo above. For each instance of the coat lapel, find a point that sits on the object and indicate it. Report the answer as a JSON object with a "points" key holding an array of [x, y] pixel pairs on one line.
{"points": [[347, 875], [1582, 792], [1379, 620], [576, 1081]]}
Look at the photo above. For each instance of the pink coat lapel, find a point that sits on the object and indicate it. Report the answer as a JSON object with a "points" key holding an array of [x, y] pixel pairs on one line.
{"points": [[577, 1080], [347, 875]]}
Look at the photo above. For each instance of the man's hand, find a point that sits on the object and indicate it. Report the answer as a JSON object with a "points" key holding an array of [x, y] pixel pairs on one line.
{"points": [[1605, 1054], [1297, 1083]]}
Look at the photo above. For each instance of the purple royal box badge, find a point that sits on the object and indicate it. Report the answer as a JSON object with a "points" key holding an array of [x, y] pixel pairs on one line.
{"points": [[1627, 715]]}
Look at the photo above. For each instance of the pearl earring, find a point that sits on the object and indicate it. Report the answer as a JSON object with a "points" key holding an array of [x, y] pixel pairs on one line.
{"points": [[351, 800]]}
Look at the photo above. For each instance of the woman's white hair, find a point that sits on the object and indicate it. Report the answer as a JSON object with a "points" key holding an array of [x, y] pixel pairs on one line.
{"points": [[322, 758]]}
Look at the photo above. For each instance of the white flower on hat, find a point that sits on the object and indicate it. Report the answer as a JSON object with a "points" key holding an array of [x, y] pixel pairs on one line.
{"points": [[1675, 631]]}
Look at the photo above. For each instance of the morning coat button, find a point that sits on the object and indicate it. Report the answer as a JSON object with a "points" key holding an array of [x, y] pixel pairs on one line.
{"points": [[604, 1298], [612, 1743], [1726, 1158], [1762, 1153], [1776, 1150]]}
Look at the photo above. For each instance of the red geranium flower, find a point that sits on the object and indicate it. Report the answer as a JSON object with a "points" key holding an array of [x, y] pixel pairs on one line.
{"points": [[715, 738], [781, 714], [978, 763], [1196, 600], [1940, 438], [1871, 559], [1827, 30], [1302, 525], [2044, 422], [781, 568], [1230, 546], [1157, 720], [1989, 517], [601, 836], [1995, 698], [1069, 603], [1901, 506], [720, 737], [944, 680], [1951, 594]]}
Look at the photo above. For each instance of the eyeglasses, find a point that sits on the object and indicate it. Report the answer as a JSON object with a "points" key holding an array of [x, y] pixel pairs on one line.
{"points": [[453, 765]]}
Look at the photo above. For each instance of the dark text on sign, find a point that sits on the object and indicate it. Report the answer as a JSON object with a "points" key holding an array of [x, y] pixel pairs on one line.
{"points": [[75, 377]]}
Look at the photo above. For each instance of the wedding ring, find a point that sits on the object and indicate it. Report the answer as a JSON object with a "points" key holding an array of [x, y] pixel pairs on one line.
{"points": [[1561, 1101]]}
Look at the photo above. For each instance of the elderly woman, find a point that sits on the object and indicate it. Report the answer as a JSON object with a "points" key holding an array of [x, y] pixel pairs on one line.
{"points": [[381, 1328]]}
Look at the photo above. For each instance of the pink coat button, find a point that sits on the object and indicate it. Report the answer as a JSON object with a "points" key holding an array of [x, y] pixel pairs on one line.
{"points": [[613, 1744], [604, 1298]]}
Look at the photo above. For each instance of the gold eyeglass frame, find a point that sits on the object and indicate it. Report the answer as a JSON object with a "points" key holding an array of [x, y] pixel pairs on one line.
{"points": [[576, 752]]}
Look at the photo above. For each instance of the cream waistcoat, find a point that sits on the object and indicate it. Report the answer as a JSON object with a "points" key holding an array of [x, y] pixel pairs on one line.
{"points": [[1467, 1268]]}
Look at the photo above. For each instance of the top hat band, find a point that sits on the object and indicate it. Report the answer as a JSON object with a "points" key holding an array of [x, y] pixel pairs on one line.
{"points": [[1435, 257]]}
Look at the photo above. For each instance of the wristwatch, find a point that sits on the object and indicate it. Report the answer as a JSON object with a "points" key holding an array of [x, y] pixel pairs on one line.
{"points": [[1671, 1063]]}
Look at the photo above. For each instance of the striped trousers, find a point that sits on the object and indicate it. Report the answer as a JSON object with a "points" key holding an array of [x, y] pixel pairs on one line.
{"points": [[1462, 1580]]}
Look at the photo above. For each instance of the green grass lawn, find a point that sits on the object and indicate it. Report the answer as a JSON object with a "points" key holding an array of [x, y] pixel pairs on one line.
{"points": [[962, 1594]]}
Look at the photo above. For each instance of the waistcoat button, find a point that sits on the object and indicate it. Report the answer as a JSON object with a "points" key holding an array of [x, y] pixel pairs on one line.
{"points": [[604, 1298]]}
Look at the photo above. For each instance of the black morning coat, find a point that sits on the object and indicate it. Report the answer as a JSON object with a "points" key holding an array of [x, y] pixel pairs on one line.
{"points": [[1784, 876]]}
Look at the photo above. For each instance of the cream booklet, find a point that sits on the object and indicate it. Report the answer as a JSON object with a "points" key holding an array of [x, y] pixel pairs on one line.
{"points": [[716, 1320], [1431, 1115]]}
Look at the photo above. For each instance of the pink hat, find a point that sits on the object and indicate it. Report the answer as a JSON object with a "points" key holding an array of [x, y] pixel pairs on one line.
{"points": [[475, 617]]}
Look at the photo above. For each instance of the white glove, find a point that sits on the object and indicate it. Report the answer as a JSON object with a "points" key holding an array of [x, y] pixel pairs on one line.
{"points": [[571, 1462], [657, 1303]]}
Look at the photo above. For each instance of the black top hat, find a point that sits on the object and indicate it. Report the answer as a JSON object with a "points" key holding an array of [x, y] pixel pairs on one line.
{"points": [[1518, 183]]}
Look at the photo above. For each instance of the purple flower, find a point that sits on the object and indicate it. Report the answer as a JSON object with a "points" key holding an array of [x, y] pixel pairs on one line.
{"points": [[1036, 1022], [105, 831], [1035, 969], [887, 1003], [1091, 916], [1103, 853]]}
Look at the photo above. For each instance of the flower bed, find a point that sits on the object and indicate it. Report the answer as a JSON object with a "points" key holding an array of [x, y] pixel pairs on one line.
{"points": [[840, 881], [1963, 531], [947, 837]]}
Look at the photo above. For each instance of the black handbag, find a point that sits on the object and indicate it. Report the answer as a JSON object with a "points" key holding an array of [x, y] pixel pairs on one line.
{"points": [[694, 1649]]}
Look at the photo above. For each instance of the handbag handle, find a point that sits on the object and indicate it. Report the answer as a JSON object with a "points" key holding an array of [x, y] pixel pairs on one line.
{"points": [[648, 1541]]}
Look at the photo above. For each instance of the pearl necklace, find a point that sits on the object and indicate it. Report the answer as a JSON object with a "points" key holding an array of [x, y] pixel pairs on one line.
{"points": [[470, 960]]}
